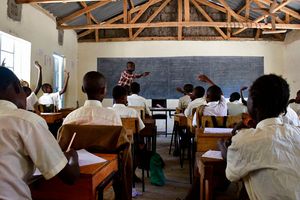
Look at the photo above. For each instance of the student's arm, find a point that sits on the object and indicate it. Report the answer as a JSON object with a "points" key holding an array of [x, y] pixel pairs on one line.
{"points": [[141, 75], [292, 101], [223, 146], [63, 90], [179, 89], [39, 80], [242, 96], [70, 173], [205, 79]]}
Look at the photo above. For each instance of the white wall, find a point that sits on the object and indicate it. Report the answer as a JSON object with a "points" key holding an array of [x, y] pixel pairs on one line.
{"points": [[89, 52], [40, 30], [292, 61]]}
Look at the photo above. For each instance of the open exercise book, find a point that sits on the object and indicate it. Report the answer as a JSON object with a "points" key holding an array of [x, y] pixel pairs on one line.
{"points": [[84, 158], [213, 154]]}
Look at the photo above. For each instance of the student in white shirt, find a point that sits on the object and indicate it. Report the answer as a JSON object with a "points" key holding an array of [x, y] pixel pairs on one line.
{"points": [[198, 100], [92, 113], [235, 107], [216, 102], [135, 100], [120, 107], [295, 103], [52, 98], [26, 143], [267, 157], [186, 99], [32, 100]]}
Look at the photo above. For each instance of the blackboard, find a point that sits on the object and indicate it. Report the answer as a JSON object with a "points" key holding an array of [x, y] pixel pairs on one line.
{"points": [[167, 73]]}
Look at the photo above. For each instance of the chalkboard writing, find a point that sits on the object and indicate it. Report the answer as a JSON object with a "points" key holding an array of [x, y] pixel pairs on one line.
{"points": [[167, 73]]}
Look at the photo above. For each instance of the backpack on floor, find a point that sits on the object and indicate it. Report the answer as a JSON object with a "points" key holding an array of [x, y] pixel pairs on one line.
{"points": [[157, 164]]}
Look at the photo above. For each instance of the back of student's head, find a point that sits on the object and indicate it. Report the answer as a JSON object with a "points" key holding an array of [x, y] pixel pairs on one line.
{"points": [[235, 96], [188, 88], [46, 87], [135, 88], [94, 84], [199, 92], [214, 93], [119, 92], [268, 96], [10, 88], [27, 90]]}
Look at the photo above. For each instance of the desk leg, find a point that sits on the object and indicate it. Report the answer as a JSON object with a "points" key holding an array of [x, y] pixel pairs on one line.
{"points": [[166, 123], [201, 187]]}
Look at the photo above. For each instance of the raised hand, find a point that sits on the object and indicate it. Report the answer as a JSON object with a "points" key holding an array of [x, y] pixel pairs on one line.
{"points": [[37, 65], [244, 88], [146, 73]]}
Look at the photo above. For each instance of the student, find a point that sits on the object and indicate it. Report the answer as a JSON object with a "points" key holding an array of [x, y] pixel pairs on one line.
{"points": [[32, 100], [120, 107], [135, 100], [216, 102], [242, 96], [267, 157], [26, 142], [52, 98], [186, 99], [127, 76], [92, 113], [295, 103], [198, 93], [234, 106]]}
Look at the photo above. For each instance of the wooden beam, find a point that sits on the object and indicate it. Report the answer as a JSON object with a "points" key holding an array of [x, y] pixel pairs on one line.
{"points": [[158, 10], [208, 18], [82, 11], [125, 7], [258, 33], [97, 35], [131, 3], [263, 16], [144, 7], [84, 5], [187, 10], [52, 1], [184, 24], [212, 5], [239, 18], [87, 32], [248, 6], [286, 10], [287, 18], [179, 19], [130, 29], [229, 28]]}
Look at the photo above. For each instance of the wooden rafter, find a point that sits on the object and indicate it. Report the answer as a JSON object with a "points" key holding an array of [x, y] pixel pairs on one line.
{"points": [[82, 11], [286, 10], [158, 10], [239, 18], [125, 9], [184, 24], [264, 15], [144, 7], [187, 10], [52, 1], [84, 5], [228, 16], [258, 33], [247, 9], [208, 18], [179, 19]]}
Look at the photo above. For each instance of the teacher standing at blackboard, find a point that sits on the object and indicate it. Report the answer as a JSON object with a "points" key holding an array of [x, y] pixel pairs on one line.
{"points": [[128, 76]]}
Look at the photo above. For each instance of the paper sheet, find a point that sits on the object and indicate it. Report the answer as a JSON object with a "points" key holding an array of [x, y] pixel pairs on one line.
{"points": [[84, 158], [218, 130], [213, 154]]}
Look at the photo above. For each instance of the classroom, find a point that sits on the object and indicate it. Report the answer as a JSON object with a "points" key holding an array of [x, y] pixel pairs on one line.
{"points": [[149, 99]]}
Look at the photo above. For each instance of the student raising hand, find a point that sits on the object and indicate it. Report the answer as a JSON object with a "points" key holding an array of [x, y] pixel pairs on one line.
{"points": [[205, 79]]}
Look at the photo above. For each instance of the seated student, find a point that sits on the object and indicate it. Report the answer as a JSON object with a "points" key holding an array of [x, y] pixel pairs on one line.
{"points": [[235, 107], [135, 100], [295, 103], [266, 157], [26, 142], [92, 113], [216, 103], [32, 100], [52, 98], [186, 99], [120, 107], [198, 100]]}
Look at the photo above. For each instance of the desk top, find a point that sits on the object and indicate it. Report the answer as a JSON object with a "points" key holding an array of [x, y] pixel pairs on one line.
{"points": [[162, 109], [94, 168], [51, 114]]}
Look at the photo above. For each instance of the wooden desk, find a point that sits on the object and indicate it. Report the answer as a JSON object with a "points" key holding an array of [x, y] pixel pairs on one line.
{"points": [[166, 110], [84, 188], [212, 172], [51, 118]]}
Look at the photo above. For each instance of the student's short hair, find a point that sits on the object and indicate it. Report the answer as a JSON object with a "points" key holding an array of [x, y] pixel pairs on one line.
{"points": [[119, 92], [298, 93], [93, 81], [235, 96], [27, 90], [215, 93], [45, 86], [270, 95], [7, 77], [188, 88], [135, 88], [199, 91], [130, 63]]}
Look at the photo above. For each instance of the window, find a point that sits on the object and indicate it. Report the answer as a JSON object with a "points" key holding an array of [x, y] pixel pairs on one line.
{"points": [[15, 53], [59, 62]]}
